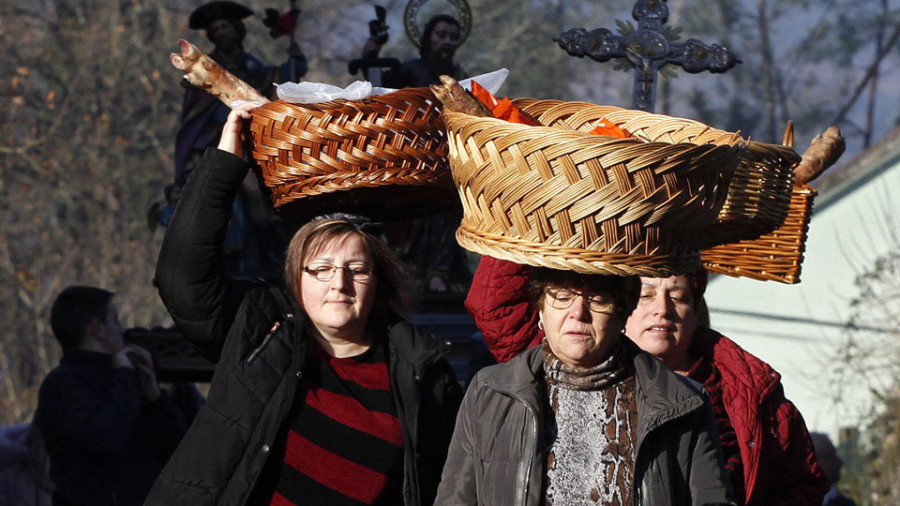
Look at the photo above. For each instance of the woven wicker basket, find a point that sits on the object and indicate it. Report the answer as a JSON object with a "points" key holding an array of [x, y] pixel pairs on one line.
{"points": [[776, 256], [562, 198], [384, 156], [759, 194]]}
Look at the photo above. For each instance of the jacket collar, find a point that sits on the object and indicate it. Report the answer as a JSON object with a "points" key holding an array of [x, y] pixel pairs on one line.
{"points": [[738, 367], [662, 394], [415, 346], [520, 377]]}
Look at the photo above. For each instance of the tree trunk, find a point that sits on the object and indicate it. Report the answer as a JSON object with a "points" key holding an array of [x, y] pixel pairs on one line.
{"points": [[768, 73]]}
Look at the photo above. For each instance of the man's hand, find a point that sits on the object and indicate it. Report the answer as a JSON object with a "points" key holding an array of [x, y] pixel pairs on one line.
{"points": [[121, 359], [142, 362], [371, 49]]}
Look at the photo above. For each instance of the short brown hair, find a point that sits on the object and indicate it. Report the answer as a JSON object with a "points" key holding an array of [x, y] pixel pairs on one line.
{"points": [[625, 290], [392, 294]]}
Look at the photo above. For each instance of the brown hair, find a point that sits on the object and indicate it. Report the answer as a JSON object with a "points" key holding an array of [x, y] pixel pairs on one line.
{"points": [[392, 294], [625, 290]]}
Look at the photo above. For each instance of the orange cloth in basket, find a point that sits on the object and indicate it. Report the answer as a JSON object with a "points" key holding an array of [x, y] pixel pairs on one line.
{"points": [[607, 127], [506, 110], [502, 109]]}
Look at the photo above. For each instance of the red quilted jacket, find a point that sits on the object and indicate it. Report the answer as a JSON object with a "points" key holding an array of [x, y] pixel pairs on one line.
{"points": [[779, 462]]}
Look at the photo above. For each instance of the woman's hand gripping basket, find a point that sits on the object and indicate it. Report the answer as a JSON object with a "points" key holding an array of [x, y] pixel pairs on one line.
{"points": [[554, 196]]}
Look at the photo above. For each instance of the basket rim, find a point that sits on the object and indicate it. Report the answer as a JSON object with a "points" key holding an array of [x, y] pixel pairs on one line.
{"points": [[661, 196], [349, 180], [759, 195], [480, 123], [575, 259]]}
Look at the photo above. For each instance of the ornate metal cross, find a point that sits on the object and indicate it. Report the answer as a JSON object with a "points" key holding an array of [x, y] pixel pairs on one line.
{"points": [[647, 49]]}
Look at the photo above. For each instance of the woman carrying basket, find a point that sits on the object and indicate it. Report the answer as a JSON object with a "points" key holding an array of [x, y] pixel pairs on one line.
{"points": [[587, 417], [768, 452], [767, 447], [322, 394]]}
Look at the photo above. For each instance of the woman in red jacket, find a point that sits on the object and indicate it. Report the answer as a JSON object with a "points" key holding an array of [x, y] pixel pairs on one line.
{"points": [[767, 446]]}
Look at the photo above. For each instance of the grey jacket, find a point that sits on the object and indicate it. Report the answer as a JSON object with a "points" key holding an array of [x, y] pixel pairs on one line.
{"points": [[496, 456]]}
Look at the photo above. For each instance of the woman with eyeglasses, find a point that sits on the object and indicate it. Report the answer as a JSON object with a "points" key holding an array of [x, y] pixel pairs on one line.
{"points": [[585, 418], [322, 393]]}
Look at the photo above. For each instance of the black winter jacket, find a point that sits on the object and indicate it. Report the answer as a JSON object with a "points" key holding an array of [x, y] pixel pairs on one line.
{"points": [[228, 446], [106, 443]]}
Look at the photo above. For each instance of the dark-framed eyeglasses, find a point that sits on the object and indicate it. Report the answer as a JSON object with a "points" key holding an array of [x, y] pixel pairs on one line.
{"points": [[325, 272], [562, 298]]}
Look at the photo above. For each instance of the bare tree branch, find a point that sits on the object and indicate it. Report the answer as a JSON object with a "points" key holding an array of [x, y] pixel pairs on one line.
{"points": [[870, 74]]}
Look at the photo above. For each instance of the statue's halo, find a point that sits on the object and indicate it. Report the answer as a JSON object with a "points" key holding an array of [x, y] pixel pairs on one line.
{"points": [[411, 14]]}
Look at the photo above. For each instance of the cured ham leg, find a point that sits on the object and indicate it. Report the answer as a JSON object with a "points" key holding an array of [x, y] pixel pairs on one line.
{"points": [[203, 72], [457, 99], [823, 152]]}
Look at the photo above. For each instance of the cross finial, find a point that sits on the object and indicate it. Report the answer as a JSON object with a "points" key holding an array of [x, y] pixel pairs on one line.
{"points": [[647, 49]]}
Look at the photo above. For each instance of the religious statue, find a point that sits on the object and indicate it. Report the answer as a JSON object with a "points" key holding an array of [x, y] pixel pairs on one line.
{"points": [[256, 236], [428, 244]]}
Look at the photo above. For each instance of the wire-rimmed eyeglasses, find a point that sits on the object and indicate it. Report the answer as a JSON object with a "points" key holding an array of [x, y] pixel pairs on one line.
{"points": [[562, 298], [325, 272]]}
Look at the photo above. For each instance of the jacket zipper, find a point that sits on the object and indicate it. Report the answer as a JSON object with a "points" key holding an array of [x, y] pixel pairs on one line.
{"points": [[528, 453], [638, 487], [408, 428], [265, 342]]}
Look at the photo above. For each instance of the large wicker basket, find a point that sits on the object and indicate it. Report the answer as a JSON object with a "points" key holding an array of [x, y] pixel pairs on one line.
{"points": [[383, 156], [562, 198], [776, 256], [760, 191]]}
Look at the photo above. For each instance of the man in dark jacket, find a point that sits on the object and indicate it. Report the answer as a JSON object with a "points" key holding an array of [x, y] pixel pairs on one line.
{"points": [[256, 237], [107, 425]]}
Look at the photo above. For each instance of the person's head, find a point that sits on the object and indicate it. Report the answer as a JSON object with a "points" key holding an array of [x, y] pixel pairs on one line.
{"points": [[441, 37], [85, 317], [582, 315], [172, 193], [667, 315], [222, 21], [344, 278], [827, 456]]}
